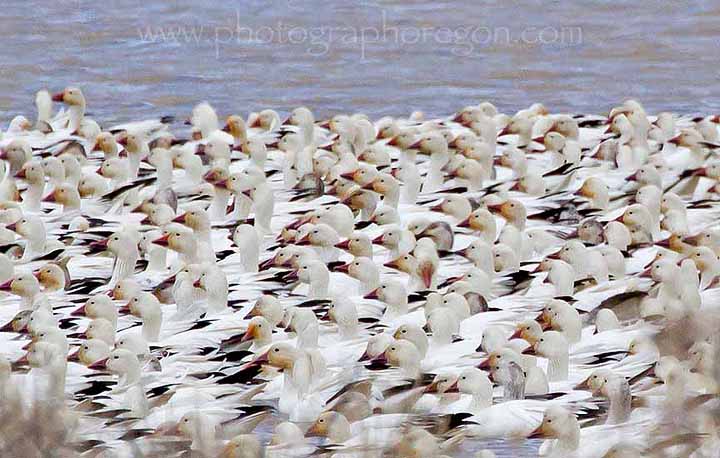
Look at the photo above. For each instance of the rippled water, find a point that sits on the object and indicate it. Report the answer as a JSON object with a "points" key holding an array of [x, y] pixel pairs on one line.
{"points": [[380, 57], [136, 60]]}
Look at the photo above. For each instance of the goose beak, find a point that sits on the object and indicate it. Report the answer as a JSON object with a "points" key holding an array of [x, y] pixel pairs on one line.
{"points": [[378, 240], [465, 222], [372, 294], [305, 240], [700, 172], [180, 219], [432, 388], [344, 245], [437, 208], [249, 334], [7, 286], [416, 145], [393, 141], [12, 227], [264, 358], [453, 388], [505, 131], [49, 198], [268, 263], [676, 140], [342, 268], [75, 356], [80, 311], [391, 264], [20, 174], [163, 241], [22, 361], [381, 358], [517, 334], [99, 365], [485, 364], [58, 97], [537, 433]]}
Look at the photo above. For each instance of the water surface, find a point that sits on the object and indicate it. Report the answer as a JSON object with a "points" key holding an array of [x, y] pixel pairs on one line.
{"points": [[135, 59]]}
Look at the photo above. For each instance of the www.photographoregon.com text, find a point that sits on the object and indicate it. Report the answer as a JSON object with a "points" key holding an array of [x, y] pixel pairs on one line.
{"points": [[317, 41]]}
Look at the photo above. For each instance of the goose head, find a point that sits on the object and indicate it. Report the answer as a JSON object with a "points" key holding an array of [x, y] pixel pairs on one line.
{"points": [[528, 330], [72, 96], [414, 334], [125, 289], [332, 425], [102, 329], [404, 355], [481, 220], [456, 206], [647, 175], [105, 142], [268, 307], [442, 383], [358, 244], [259, 330], [504, 258], [559, 423], [114, 168], [431, 143], [24, 285], [178, 239], [52, 277], [242, 446], [235, 126], [90, 352], [98, 306], [65, 195], [17, 153], [196, 219], [320, 235], [513, 211]]}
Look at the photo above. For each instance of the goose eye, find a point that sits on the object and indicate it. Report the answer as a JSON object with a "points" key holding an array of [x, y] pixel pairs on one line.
{"points": [[277, 350], [116, 357]]}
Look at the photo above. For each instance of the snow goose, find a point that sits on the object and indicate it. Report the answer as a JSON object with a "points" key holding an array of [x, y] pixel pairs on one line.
{"points": [[27, 287], [357, 439], [33, 173], [74, 98], [358, 245], [433, 144], [482, 223], [394, 295], [146, 307], [364, 271], [569, 441], [268, 307], [90, 352], [247, 241], [554, 346], [49, 359]]}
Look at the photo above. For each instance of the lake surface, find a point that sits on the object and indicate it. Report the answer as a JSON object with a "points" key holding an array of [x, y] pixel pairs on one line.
{"points": [[136, 60]]}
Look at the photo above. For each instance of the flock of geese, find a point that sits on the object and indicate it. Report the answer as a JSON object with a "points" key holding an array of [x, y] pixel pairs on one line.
{"points": [[353, 288]]}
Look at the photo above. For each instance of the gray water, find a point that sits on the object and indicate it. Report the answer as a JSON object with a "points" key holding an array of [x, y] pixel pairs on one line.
{"points": [[385, 57], [135, 60]]}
